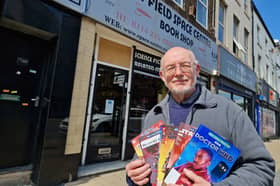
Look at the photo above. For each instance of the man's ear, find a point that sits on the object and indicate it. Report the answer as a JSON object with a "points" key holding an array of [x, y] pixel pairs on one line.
{"points": [[161, 76], [197, 68]]}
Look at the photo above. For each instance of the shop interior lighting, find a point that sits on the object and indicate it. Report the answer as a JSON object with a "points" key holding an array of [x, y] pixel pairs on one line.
{"points": [[5, 90], [24, 104], [14, 91]]}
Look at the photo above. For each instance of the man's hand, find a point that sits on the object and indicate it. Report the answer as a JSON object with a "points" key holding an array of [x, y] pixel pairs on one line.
{"points": [[138, 171], [192, 177]]}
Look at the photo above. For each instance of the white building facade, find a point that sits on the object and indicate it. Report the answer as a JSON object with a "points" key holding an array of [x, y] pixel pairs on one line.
{"points": [[265, 58], [237, 80]]}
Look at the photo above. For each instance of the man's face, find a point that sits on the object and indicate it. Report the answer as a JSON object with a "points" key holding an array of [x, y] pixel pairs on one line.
{"points": [[179, 70], [202, 159]]}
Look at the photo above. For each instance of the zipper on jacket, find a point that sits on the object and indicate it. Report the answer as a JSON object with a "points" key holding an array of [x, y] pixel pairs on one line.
{"points": [[192, 113]]}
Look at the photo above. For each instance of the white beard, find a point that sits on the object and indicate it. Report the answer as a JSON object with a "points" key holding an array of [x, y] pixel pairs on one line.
{"points": [[181, 93]]}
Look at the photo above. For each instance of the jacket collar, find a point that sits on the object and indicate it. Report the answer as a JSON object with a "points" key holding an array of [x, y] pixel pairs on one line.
{"points": [[204, 101]]}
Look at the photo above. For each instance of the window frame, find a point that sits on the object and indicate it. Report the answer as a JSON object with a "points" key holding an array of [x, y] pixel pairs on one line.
{"points": [[246, 45], [235, 36], [222, 5], [179, 4], [206, 14]]}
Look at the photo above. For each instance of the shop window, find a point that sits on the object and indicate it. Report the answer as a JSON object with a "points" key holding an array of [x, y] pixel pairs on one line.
{"points": [[107, 115], [202, 12], [225, 94], [268, 123], [146, 92], [239, 100]]}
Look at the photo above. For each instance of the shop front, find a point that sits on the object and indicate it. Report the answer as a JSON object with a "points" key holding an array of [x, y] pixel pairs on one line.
{"points": [[128, 50], [237, 82], [268, 111], [119, 77], [36, 74]]}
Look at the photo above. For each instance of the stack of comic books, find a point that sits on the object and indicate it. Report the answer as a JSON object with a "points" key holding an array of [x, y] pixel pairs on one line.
{"points": [[169, 150]]}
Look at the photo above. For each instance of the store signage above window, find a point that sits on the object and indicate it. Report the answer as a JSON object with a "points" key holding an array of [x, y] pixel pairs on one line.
{"points": [[77, 5], [155, 24], [236, 71], [273, 97], [146, 63]]}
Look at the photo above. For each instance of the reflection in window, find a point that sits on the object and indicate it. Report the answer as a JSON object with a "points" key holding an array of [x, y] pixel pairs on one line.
{"points": [[225, 94], [179, 2], [202, 12], [239, 100], [221, 22], [145, 94]]}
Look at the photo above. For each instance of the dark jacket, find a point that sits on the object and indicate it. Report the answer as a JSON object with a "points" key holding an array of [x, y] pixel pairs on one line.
{"points": [[255, 166]]}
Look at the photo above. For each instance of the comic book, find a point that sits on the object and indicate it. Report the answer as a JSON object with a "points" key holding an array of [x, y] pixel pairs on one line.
{"points": [[149, 141], [207, 154], [135, 142], [184, 134], [168, 137], [136, 145]]}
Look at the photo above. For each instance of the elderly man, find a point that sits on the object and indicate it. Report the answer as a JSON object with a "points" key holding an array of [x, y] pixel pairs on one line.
{"points": [[190, 103]]}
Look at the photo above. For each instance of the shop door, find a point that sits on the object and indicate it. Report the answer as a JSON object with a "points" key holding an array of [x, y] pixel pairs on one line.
{"points": [[22, 59], [108, 114]]}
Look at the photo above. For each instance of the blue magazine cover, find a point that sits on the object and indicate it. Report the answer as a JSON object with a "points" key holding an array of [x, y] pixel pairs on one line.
{"points": [[207, 154]]}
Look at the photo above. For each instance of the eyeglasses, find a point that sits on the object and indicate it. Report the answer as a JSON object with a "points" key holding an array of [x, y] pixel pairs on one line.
{"points": [[184, 67]]}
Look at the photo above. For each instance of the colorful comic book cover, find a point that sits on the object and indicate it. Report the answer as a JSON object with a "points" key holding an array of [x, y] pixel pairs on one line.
{"points": [[168, 137], [136, 145], [207, 154], [149, 141], [184, 134], [135, 142]]}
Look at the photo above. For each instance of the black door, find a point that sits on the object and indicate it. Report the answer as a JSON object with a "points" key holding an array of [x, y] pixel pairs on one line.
{"points": [[108, 112], [22, 58]]}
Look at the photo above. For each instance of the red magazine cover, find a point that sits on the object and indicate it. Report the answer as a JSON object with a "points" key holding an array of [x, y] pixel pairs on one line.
{"points": [[184, 135], [149, 141], [135, 142], [167, 141]]}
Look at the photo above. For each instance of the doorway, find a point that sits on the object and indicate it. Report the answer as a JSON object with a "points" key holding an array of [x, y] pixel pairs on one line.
{"points": [[23, 65], [108, 114]]}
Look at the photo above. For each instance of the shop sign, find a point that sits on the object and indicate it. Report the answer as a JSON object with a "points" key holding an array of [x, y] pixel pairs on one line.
{"points": [[156, 24], [236, 71], [273, 97], [77, 5], [146, 63]]}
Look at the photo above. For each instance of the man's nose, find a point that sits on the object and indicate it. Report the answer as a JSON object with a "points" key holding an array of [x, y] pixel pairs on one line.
{"points": [[178, 70]]}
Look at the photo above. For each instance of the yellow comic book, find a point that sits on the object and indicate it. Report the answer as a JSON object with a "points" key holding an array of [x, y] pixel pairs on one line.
{"points": [[166, 145]]}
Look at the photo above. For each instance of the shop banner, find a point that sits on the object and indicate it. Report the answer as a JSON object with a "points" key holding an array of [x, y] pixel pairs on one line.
{"points": [[236, 71], [155, 24], [147, 63], [77, 5]]}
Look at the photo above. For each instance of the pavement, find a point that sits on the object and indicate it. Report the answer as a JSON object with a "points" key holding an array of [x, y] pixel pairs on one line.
{"points": [[117, 178]]}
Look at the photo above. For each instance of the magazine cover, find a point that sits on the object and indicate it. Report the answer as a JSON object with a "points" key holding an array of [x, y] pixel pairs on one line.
{"points": [[185, 133], [135, 142], [207, 154], [168, 137], [136, 146], [149, 141]]}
